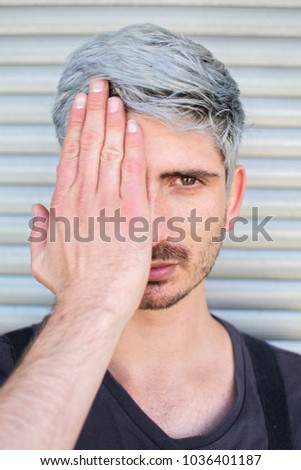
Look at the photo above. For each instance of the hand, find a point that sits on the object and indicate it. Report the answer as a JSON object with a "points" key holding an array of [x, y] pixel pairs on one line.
{"points": [[102, 166]]}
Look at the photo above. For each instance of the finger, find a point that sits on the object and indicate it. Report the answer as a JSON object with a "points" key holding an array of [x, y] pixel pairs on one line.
{"points": [[39, 229], [93, 132], [113, 148], [133, 171], [67, 168]]}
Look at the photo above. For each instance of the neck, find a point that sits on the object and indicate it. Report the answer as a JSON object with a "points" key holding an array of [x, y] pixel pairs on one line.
{"points": [[167, 343]]}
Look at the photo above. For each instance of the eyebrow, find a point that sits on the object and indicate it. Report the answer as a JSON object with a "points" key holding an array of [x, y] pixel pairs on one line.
{"points": [[193, 173]]}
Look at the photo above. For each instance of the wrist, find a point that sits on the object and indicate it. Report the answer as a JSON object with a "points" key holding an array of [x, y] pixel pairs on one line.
{"points": [[79, 305]]}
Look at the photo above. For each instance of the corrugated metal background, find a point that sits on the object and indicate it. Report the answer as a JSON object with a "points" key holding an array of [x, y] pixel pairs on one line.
{"points": [[255, 284]]}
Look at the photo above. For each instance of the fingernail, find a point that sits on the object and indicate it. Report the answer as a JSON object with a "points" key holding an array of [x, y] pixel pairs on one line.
{"points": [[113, 104], [97, 86], [132, 126], [80, 100]]}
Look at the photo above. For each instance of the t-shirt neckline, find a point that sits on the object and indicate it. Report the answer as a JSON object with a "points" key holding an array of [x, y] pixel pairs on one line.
{"points": [[153, 432]]}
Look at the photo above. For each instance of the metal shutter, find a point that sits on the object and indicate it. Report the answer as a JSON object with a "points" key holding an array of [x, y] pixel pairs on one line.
{"points": [[255, 284]]}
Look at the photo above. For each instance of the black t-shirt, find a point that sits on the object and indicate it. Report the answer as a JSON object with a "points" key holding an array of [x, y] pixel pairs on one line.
{"points": [[115, 421]]}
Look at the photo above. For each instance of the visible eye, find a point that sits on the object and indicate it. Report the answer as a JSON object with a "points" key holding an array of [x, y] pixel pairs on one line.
{"points": [[187, 180]]}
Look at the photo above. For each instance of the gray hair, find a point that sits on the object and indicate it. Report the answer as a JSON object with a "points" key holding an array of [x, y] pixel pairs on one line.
{"points": [[162, 75]]}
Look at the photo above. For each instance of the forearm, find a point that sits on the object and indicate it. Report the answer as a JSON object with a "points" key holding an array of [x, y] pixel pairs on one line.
{"points": [[44, 404]]}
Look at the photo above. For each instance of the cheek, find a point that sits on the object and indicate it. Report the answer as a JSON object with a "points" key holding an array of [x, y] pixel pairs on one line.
{"points": [[194, 231], [208, 226], [202, 216], [194, 218]]}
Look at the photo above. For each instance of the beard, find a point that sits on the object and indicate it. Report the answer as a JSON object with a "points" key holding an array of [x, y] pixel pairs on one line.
{"points": [[191, 271]]}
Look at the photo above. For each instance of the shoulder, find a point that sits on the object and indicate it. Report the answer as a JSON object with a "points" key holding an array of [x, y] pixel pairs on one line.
{"points": [[290, 365], [12, 347], [287, 358], [7, 361], [289, 362]]}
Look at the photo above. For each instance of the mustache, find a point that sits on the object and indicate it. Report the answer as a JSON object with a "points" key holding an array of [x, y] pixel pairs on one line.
{"points": [[168, 251]]}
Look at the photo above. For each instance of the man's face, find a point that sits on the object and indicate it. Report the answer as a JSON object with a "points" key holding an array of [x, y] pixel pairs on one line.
{"points": [[185, 179]]}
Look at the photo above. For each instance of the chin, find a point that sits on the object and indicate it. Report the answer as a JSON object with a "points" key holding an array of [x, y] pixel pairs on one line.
{"points": [[156, 297]]}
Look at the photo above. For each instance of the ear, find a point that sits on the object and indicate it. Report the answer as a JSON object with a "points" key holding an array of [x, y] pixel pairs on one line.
{"points": [[236, 195]]}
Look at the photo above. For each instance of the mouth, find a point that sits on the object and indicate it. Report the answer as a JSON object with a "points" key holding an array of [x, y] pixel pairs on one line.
{"points": [[160, 271]]}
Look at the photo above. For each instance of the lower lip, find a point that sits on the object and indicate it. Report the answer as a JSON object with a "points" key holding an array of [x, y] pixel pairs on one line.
{"points": [[161, 273]]}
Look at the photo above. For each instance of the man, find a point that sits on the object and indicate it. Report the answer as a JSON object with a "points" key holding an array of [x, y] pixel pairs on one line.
{"points": [[131, 357]]}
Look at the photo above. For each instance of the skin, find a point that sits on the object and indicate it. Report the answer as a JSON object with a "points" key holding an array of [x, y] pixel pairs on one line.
{"points": [[131, 332]]}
